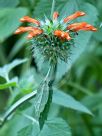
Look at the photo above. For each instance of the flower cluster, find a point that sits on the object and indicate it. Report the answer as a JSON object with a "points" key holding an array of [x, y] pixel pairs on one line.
{"points": [[54, 36]]}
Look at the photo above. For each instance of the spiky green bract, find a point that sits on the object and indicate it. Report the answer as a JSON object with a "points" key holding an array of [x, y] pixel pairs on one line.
{"points": [[52, 47]]}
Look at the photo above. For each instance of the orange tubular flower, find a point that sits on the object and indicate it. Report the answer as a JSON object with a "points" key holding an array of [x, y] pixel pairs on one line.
{"points": [[76, 26], [62, 34], [30, 20], [74, 16], [55, 15], [24, 29], [81, 26], [34, 33]]}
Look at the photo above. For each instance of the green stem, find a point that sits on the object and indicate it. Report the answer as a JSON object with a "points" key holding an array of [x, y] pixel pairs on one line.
{"points": [[51, 75], [52, 9]]}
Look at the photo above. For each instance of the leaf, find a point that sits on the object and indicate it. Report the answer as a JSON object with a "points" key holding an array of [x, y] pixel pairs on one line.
{"points": [[10, 20], [98, 34], [8, 3], [26, 131], [93, 102], [7, 85], [4, 71], [41, 98], [30, 130], [18, 46], [81, 42], [55, 127], [68, 101], [44, 7]]}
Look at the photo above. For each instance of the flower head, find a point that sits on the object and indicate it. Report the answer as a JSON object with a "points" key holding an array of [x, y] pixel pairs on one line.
{"points": [[54, 37], [55, 27]]}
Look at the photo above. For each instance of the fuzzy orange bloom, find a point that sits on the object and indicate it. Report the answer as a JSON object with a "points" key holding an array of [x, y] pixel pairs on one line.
{"points": [[62, 34], [74, 16], [81, 26], [30, 20], [55, 15]]}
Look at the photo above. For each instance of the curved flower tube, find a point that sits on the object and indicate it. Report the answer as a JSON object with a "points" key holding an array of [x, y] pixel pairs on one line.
{"points": [[74, 16]]}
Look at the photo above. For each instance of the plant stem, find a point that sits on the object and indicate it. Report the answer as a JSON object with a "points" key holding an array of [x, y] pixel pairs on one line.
{"points": [[51, 75], [52, 9]]}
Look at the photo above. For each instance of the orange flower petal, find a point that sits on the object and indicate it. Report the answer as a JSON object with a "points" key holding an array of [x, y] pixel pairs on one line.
{"points": [[57, 33], [74, 16], [31, 35], [62, 34], [30, 20], [25, 29], [29, 28], [81, 26], [68, 36], [92, 28], [55, 15], [77, 26], [18, 31], [89, 29], [34, 33]]}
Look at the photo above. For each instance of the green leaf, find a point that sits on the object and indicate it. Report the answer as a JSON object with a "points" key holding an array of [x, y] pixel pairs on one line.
{"points": [[4, 71], [43, 7], [82, 40], [8, 3], [7, 85], [10, 20], [93, 102], [18, 46], [55, 127], [68, 101], [30, 130], [26, 131], [41, 98]]}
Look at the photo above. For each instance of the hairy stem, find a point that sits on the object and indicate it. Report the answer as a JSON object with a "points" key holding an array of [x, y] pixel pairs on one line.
{"points": [[44, 114]]}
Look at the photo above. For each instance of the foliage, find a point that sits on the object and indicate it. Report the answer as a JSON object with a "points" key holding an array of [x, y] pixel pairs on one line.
{"points": [[26, 93]]}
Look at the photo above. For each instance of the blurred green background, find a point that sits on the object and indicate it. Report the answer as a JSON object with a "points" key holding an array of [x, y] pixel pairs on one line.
{"points": [[83, 81]]}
